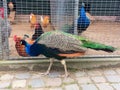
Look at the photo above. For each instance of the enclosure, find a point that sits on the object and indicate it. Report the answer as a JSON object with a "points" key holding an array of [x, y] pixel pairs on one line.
{"points": [[104, 22]]}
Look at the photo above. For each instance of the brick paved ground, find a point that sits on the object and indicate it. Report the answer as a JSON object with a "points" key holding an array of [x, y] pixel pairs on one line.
{"points": [[92, 79]]}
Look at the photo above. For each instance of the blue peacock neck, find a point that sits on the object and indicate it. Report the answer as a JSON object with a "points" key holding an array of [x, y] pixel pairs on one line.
{"points": [[27, 48], [82, 12]]}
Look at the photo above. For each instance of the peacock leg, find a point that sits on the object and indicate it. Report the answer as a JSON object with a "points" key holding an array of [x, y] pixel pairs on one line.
{"points": [[49, 68], [65, 68]]}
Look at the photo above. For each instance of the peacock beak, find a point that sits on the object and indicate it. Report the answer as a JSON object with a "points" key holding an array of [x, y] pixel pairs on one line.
{"points": [[21, 42]]}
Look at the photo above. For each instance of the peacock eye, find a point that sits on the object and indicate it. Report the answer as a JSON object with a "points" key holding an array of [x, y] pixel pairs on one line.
{"points": [[21, 42]]}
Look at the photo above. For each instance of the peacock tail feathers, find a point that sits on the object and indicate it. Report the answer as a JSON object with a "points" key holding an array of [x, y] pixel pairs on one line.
{"points": [[93, 45], [98, 46], [83, 42]]}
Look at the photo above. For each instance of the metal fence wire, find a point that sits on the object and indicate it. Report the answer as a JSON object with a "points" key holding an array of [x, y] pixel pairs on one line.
{"points": [[20, 17]]}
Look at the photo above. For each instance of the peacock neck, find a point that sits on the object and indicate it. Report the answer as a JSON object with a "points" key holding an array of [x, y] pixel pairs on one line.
{"points": [[27, 48], [82, 12]]}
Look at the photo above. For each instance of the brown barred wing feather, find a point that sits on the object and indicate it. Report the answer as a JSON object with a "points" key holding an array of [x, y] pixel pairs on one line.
{"points": [[61, 41]]}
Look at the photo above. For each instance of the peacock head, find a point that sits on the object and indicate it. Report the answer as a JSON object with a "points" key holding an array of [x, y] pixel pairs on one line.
{"points": [[86, 6], [23, 42]]}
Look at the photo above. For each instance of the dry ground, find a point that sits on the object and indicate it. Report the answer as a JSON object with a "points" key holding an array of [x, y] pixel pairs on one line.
{"points": [[100, 31]]}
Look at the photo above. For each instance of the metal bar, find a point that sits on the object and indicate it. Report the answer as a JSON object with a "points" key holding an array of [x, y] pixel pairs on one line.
{"points": [[76, 16], [85, 59], [6, 44], [1, 50]]}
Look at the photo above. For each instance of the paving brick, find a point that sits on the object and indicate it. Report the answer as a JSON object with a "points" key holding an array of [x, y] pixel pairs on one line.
{"points": [[55, 89], [94, 73], [116, 86], [118, 70], [35, 76], [109, 72], [36, 83], [54, 74], [18, 83], [22, 76], [84, 80], [113, 78], [72, 87], [4, 84], [98, 79], [89, 87], [40, 89], [104, 86], [6, 77], [80, 74], [68, 80], [53, 82]]}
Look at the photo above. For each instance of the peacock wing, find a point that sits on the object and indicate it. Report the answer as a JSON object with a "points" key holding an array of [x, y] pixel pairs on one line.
{"points": [[61, 41]]}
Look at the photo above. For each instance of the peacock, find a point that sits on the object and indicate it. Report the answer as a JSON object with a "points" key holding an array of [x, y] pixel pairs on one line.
{"points": [[60, 45], [83, 20]]}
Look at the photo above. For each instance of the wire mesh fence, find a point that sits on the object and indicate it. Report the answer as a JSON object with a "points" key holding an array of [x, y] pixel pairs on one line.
{"points": [[100, 23]]}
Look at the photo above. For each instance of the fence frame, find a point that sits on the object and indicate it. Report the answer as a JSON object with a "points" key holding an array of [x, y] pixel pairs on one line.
{"points": [[5, 53]]}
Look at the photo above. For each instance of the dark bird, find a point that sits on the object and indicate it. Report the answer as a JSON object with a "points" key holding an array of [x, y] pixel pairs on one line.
{"points": [[12, 11], [12, 6], [38, 31], [60, 45]]}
